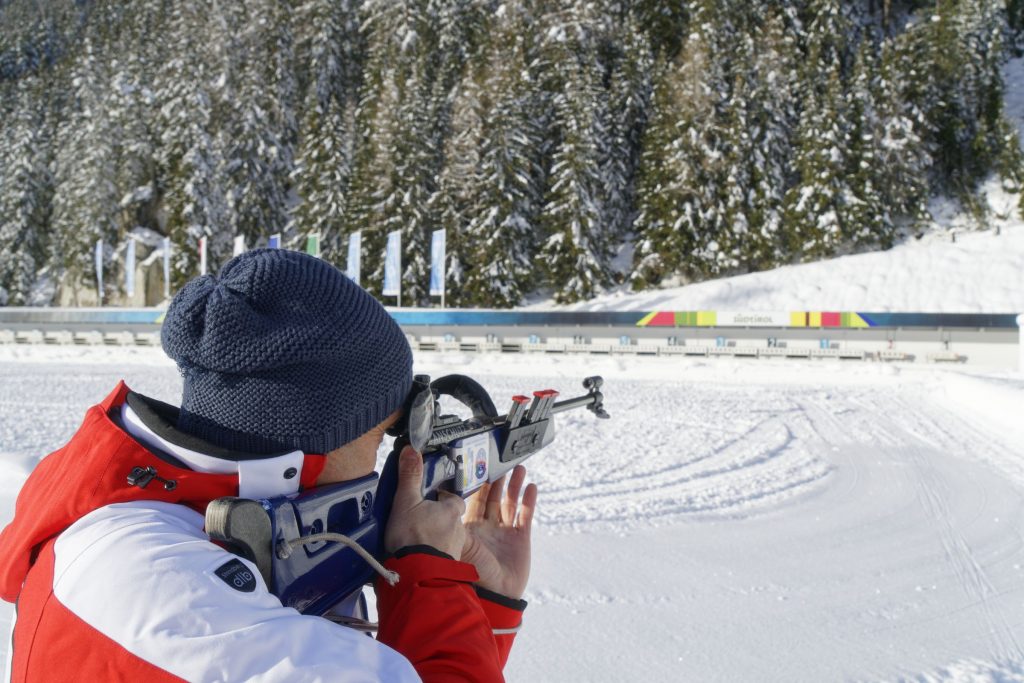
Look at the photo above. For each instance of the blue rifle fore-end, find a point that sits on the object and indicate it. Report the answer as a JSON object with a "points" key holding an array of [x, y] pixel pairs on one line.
{"points": [[314, 577], [459, 456]]}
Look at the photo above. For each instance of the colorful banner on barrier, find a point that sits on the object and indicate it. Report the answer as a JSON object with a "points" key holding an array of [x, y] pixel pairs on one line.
{"points": [[760, 319], [355, 247], [539, 319]]}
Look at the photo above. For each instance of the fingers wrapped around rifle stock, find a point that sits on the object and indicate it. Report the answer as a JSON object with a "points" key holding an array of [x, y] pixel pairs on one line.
{"points": [[409, 490], [416, 521]]}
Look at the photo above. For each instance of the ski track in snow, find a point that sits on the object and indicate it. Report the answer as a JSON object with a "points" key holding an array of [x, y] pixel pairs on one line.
{"points": [[732, 521]]}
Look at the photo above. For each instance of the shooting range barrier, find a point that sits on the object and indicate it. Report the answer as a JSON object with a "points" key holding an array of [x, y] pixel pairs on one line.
{"points": [[993, 340]]}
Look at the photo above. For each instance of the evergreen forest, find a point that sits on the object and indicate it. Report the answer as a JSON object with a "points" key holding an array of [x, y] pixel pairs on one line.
{"points": [[565, 147]]}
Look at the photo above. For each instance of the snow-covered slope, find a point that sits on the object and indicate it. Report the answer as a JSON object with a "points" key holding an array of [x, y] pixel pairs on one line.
{"points": [[982, 271]]}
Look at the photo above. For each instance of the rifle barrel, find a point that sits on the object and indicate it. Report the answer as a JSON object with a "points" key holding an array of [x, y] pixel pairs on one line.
{"points": [[571, 403]]}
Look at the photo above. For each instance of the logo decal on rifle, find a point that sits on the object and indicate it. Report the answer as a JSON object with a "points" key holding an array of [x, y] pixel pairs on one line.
{"points": [[235, 574]]}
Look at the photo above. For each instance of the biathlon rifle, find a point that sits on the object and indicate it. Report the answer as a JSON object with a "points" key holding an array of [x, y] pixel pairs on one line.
{"points": [[287, 536]]}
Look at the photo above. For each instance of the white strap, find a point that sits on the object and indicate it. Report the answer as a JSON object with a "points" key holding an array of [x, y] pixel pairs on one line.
{"points": [[285, 548]]}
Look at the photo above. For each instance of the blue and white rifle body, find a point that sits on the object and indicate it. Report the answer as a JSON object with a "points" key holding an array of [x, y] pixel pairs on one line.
{"points": [[459, 456]]}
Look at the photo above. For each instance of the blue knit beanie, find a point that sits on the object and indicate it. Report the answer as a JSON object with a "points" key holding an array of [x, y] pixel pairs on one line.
{"points": [[282, 351]]}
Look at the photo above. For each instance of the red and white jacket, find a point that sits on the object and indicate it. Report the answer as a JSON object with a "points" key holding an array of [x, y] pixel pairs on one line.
{"points": [[118, 583]]}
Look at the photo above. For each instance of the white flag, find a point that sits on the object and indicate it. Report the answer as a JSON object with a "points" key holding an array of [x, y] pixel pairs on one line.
{"points": [[239, 245], [98, 258], [355, 247], [202, 255], [393, 265], [437, 248], [129, 268], [167, 267]]}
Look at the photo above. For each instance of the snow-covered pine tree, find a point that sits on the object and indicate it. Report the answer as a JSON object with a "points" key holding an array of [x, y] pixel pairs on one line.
{"points": [[680, 210], [205, 209], [865, 211], [576, 252], [86, 200], [899, 159], [183, 85], [814, 208], [762, 116], [995, 145], [948, 91], [328, 38], [414, 161], [255, 133], [26, 188], [399, 148], [133, 108], [321, 175], [371, 167], [502, 233], [455, 200], [660, 246], [629, 99], [737, 239], [663, 23]]}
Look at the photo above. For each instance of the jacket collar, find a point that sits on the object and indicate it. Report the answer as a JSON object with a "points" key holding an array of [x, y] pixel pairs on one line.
{"points": [[92, 471], [153, 424]]}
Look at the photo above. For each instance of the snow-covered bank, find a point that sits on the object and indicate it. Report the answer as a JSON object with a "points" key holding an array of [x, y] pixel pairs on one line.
{"points": [[980, 272], [732, 521], [957, 265]]}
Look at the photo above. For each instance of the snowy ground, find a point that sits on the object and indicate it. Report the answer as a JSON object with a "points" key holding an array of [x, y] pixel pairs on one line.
{"points": [[733, 521]]}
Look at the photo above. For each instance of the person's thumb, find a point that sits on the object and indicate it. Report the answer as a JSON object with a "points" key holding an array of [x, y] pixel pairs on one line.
{"points": [[409, 491]]}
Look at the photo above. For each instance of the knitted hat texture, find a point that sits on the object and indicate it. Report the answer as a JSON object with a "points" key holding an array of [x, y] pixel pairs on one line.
{"points": [[282, 351]]}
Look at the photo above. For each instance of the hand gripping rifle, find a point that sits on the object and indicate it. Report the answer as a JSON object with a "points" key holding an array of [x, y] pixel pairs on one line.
{"points": [[311, 547]]}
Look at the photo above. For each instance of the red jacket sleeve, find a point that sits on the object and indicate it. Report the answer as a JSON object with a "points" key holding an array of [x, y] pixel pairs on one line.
{"points": [[434, 618], [503, 614]]}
